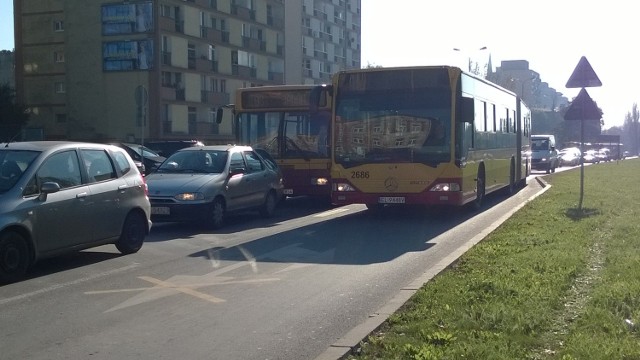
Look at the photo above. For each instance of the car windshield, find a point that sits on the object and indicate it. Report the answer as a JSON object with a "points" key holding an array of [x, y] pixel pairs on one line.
{"points": [[195, 161], [145, 150], [13, 164]]}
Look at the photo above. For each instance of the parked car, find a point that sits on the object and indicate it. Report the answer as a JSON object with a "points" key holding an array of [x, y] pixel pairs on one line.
{"points": [[569, 156], [604, 154], [206, 183], [591, 156], [58, 197], [167, 147], [149, 158]]}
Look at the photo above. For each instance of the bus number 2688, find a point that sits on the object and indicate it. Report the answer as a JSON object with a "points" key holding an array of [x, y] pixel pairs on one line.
{"points": [[359, 174]]}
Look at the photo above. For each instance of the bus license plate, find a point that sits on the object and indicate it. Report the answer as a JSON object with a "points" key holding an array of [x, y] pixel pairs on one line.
{"points": [[287, 191], [391, 200], [160, 210]]}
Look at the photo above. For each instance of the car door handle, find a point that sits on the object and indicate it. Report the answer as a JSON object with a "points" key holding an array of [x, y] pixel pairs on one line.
{"points": [[81, 195], [122, 187]]}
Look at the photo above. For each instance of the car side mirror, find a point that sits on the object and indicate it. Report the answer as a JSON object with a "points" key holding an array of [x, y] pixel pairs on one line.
{"points": [[48, 187]]}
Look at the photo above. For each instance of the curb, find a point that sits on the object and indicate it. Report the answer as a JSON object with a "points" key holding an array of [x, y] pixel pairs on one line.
{"points": [[347, 344]]}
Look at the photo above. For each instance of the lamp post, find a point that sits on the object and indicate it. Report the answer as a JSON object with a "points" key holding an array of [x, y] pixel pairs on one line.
{"points": [[469, 57]]}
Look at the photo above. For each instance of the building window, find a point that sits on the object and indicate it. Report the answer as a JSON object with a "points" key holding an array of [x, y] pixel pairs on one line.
{"points": [[60, 88], [58, 25], [58, 56]]}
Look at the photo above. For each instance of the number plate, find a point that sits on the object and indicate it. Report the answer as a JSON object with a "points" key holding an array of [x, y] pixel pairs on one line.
{"points": [[160, 210], [287, 191], [391, 200]]}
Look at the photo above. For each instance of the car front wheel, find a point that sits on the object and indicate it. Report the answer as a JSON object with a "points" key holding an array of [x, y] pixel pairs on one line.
{"points": [[14, 257], [133, 233], [217, 214]]}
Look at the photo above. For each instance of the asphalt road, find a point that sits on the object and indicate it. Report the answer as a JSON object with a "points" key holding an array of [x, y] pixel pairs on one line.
{"points": [[306, 284]]}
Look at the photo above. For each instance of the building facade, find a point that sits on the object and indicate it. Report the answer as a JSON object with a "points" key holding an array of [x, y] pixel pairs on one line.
{"points": [[7, 68], [516, 76], [160, 69]]}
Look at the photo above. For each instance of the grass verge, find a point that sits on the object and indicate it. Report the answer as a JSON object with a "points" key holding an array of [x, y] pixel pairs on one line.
{"points": [[552, 282]]}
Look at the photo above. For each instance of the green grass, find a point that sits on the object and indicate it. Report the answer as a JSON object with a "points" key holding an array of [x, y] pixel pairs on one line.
{"points": [[553, 282]]}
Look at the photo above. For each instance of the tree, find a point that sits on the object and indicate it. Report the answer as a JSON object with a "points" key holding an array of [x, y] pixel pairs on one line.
{"points": [[13, 117], [571, 129]]}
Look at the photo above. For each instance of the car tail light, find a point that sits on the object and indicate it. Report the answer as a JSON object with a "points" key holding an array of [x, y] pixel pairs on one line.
{"points": [[144, 184]]}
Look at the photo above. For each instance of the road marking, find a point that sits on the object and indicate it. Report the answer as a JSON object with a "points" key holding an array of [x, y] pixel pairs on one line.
{"points": [[331, 212], [63, 285], [182, 289]]}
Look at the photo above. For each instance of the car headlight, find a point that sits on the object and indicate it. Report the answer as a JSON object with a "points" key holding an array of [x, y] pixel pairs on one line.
{"points": [[342, 187], [445, 187], [190, 196]]}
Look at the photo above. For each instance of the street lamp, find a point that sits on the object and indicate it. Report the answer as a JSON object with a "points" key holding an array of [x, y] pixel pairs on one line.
{"points": [[469, 58]]}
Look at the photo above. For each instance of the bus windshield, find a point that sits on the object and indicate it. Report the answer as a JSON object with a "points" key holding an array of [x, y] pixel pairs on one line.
{"points": [[303, 135], [393, 126]]}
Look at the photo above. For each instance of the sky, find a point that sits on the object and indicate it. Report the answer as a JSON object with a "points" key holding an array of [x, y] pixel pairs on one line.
{"points": [[552, 35]]}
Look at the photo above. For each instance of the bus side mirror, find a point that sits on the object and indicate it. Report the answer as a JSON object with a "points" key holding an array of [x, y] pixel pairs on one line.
{"points": [[318, 97], [467, 113], [219, 114]]}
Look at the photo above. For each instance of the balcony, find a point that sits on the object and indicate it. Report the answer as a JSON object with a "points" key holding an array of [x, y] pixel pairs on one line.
{"points": [[241, 71], [167, 23], [206, 65], [214, 98], [243, 12], [253, 44], [211, 35], [167, 93]]}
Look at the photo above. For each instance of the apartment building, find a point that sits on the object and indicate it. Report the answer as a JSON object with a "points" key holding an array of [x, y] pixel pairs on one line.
{"points": [[6, 68], [160, 69]]}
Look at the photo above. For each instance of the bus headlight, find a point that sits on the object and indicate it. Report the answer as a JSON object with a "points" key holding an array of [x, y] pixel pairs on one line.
{"points": [[342, 187], [319, 181], [445, 187], [190, 196]]}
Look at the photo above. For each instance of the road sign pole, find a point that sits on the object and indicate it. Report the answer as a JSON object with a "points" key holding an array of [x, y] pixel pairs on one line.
{"points": [[583, 108]]}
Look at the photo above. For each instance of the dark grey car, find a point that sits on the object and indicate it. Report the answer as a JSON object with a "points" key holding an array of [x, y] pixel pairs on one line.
{"points": [[207, 182], [57, 197]]}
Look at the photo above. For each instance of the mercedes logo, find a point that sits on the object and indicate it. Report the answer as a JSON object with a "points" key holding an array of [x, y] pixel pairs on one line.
{"points": [[391, 184]]}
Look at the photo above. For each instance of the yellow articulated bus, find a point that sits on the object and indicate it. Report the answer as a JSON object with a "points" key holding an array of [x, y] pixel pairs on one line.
{"points": [[432, 135], [278, 120]]}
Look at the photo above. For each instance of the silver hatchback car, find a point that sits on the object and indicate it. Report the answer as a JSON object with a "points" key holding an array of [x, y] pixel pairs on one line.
{"points": [[205, 183], [57, 197]]}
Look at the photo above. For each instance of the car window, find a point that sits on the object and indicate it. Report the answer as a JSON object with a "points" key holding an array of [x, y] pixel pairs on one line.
{"points": [[62, 168], [237, 162], [99, 166], [122, 161], [254, 164]]}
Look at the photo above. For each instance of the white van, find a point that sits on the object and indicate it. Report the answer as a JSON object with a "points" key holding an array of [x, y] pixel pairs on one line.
{"points": [[544, 156]]}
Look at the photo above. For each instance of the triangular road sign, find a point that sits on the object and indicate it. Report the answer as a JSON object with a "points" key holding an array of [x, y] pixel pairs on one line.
{"points": [[583, 108], [583, 76]]}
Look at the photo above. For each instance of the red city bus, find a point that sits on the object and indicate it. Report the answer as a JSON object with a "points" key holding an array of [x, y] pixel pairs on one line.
{"points": [[278, 119]]}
